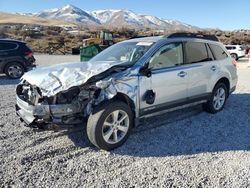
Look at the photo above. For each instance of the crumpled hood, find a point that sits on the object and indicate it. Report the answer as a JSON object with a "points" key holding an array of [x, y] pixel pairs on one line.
{"points": [[54, 79]]}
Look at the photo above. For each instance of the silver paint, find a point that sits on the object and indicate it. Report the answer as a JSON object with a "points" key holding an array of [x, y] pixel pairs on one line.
{"points": [[54, 79], [59, 78]]}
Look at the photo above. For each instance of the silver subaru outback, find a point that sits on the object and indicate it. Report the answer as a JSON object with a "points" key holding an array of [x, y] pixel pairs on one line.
{"points": [[128, 81]]}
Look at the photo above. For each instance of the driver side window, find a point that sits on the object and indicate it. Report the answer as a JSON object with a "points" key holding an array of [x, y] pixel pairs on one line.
{"points": [[170, 55]]}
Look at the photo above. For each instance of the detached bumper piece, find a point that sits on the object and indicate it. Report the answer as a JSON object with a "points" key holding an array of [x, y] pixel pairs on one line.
{"points": [[25, 112]]}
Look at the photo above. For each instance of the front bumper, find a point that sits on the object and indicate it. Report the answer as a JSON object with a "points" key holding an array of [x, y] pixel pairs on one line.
{"points": [[57, 114]]}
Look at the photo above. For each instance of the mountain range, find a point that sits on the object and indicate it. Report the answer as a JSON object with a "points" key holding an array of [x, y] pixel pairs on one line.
{"points": [[111, 18]]}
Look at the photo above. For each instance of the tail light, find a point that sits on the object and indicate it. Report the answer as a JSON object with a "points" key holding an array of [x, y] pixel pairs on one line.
{"points": [[234, 62], [28, 54]]}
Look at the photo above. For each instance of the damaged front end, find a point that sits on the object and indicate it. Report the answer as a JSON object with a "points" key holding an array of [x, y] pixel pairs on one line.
{"points": [[39, 105], [69, 107]]}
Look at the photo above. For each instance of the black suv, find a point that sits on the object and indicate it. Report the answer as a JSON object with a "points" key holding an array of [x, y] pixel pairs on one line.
{"points": [[15, 58]]}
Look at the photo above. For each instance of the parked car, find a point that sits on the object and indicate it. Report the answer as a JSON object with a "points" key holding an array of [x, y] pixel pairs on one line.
{"points": [[128, 81], [236, 51], [15, 58]]}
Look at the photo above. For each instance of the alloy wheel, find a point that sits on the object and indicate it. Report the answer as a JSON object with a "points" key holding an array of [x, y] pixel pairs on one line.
{"points": [[15, 71], [219, 98], [115, 126]]}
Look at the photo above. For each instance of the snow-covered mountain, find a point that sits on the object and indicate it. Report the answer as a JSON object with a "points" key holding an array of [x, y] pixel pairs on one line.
{"points": [[69, 13], [119, 18], [157, 21], [114, 18], [180, 25], [128, 18], [104, 16]]}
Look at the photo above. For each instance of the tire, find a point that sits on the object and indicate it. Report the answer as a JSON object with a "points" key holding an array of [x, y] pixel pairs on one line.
{"points": [[234, 56], [212, 106], [101, 127], [14, 70]]}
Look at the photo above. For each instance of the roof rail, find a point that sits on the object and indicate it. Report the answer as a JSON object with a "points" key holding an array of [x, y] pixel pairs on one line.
{"points": [[137, 37], [193, 35]]}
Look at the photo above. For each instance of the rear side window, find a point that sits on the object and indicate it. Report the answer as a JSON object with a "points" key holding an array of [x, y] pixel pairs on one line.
{"points": [[242, 48], [218, 52], [7, 46], [196, 52], [230, 47], [25, 48]]}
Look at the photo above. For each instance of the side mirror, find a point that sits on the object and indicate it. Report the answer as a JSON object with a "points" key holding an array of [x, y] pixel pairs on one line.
{"points": [[145, 71]]}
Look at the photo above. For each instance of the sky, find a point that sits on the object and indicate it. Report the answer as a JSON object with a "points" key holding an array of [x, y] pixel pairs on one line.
{"points": [[226, 15]]}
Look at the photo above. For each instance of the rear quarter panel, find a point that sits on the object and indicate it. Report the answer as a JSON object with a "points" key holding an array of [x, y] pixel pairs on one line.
{"points": [[226, 70]]}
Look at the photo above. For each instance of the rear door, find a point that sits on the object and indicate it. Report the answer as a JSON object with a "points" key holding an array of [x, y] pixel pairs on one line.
{"points": [[199, 59], [3, 54], [7, 49]]}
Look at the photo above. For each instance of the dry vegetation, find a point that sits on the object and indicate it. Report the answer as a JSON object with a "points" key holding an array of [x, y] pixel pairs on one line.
{"points": [[43, 39], [39, 40], [46, 37], [236, 37]]}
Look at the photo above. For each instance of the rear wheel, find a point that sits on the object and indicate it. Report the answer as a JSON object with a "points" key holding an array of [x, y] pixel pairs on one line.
{"points": [[217, 100], [14, 70], [109, 125], [234, 56]]}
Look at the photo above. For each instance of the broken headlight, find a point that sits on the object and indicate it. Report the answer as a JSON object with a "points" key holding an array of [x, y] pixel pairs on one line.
{"points": [[68, 96]]}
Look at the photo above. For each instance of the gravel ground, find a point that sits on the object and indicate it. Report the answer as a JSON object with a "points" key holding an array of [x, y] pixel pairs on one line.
{"points": [[186, 148]]}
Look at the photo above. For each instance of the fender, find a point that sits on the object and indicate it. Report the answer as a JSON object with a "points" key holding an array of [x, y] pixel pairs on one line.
{"points": [[216, 78]]}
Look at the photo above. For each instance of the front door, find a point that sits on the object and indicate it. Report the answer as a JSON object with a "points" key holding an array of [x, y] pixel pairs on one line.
{"points": [[168, 80]]}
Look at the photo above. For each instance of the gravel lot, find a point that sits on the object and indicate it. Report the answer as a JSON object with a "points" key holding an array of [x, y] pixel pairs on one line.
{"points": [[187, 148]]}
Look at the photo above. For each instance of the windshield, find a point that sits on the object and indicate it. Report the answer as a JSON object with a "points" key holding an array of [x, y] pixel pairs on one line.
{"points": [[125, 52]]}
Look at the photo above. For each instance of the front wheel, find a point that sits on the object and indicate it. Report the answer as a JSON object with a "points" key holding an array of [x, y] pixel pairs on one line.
{"points": [[109, 125], [217, 100]]}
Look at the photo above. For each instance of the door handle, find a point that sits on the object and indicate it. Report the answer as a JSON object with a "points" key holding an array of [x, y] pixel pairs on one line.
{"points": [[182, 74], [213, 68]]}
